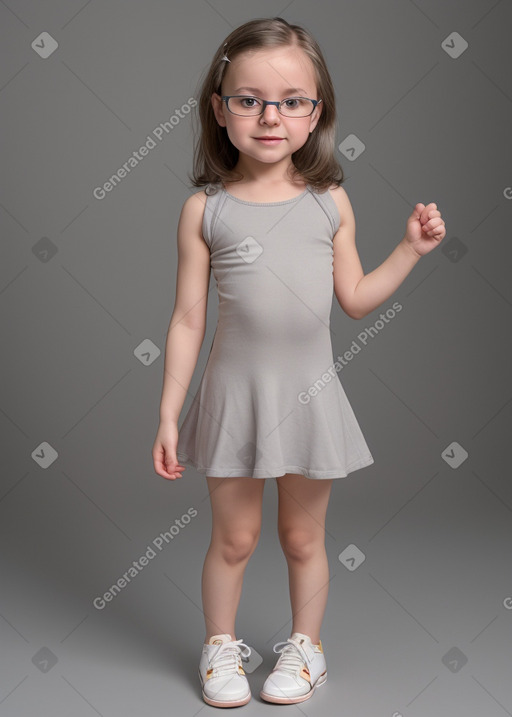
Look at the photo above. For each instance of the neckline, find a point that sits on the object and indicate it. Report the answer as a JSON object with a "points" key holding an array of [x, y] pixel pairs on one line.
{"points": [[265, 204]]}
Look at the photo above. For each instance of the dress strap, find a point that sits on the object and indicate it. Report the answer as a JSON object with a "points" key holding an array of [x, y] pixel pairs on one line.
{"points": [[214, 201], [330, 207]]}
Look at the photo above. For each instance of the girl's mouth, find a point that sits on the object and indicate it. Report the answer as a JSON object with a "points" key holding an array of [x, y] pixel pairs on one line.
{"points": [[269, 140]]}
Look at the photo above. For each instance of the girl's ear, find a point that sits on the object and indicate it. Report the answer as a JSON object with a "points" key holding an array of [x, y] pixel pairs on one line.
{"points": [[315, 117], [218, 109]]}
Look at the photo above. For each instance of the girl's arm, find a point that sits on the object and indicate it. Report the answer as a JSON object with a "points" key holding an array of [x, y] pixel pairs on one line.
{"points": [[188, 321], [359, 294], [185, 335]]}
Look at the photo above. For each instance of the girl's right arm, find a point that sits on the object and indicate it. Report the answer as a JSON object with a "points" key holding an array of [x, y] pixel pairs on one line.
{"points": [[186, 332]]}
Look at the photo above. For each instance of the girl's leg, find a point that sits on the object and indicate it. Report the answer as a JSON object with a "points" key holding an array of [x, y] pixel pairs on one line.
{"points": [[301, 528], [236, 525]]}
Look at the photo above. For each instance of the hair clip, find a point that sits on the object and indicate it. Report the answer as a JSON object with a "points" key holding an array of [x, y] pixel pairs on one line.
{"points": [[225, 57]]}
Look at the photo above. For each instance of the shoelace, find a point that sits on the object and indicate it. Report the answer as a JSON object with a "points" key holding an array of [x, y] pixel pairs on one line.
{"points": [[292, 656], [226, 658]]}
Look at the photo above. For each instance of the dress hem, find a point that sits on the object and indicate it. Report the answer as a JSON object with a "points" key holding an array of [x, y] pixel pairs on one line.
{"points": [[185, 459]]}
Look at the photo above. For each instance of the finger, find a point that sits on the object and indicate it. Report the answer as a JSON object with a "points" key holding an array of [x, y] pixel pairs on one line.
{"points": [[437, 232], [175, 470], [435, 227], [432, 207], [171, 476], [160, 465], [434, 222], [169, 472], [425, 213]]}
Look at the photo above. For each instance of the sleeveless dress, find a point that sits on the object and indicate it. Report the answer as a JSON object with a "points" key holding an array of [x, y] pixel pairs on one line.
{"points": [[267, 404]]}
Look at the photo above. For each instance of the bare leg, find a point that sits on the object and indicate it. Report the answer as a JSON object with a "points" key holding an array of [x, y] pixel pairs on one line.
{"points": [[236, 525], [301, 526]]}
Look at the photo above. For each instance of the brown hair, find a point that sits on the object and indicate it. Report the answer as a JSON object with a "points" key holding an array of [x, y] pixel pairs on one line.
{"points": [[215, 156]]}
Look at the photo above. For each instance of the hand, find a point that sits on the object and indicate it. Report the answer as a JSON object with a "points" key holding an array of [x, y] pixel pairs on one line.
{"points": [[425, 228], [164, 451]]}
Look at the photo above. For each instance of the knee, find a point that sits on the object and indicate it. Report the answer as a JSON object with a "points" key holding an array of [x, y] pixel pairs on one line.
{"points": [[239, 546], [299, 544]]}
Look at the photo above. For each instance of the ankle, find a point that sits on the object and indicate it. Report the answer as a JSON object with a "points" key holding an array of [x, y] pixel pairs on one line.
{"points": [[311, 636], [208, 637]]}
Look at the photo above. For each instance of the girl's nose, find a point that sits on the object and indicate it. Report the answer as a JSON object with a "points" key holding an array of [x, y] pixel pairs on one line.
{"points": [[271, 114]]}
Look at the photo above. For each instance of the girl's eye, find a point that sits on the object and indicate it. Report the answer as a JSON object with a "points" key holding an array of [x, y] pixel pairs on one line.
{"points": [[292, 106], [249, 99]]}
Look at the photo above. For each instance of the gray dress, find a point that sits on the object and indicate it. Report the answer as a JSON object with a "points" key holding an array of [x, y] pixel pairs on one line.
{"points": [[267, 404]]}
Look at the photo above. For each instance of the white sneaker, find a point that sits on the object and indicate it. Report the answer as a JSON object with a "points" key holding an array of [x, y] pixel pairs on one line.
{"points": [[222, 676], [300, 669]]}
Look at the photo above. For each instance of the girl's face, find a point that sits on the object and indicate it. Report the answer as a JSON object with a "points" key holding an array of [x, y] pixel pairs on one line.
{"points": [[273, 74]]}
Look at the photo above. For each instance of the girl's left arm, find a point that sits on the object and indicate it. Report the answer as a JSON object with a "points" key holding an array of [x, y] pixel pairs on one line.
{"points": [[359, 294]]}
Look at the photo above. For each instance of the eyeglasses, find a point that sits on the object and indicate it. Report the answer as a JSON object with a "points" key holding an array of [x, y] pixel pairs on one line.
{"points": [[248, 106]]}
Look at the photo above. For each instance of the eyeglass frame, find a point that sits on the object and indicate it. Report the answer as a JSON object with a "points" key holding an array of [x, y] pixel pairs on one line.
{"points": [[225, 99]]}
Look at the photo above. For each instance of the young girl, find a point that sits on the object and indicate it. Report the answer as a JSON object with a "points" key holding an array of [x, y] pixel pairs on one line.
{"points": [[278, 231]]}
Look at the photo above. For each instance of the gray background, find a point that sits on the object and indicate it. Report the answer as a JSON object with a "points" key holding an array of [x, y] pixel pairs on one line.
{"points": [[85, 281]]}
